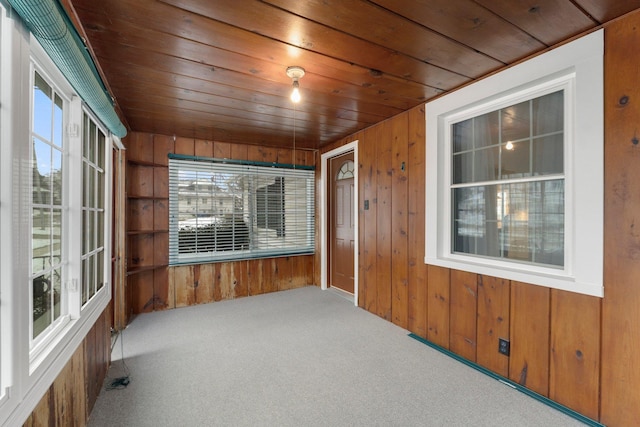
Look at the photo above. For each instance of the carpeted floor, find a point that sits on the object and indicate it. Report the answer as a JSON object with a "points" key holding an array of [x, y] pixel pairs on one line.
{"points": [[304, 357]]}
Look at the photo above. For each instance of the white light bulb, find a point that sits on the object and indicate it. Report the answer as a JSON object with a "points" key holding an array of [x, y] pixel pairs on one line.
{"points": [[509, 145], [295, 95]]}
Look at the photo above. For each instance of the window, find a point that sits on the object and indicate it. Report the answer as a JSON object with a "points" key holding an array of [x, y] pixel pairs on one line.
{"points": [[93, 213], [508, 182], [252, 211], [55, 207], [515, 174], [48, 205]]}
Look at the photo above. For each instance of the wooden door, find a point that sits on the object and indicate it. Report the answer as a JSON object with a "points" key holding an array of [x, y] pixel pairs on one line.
{"points": [[342, 229]]}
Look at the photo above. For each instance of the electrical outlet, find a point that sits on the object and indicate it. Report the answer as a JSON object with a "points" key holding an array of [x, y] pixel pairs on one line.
{"points": [[504, 347]]}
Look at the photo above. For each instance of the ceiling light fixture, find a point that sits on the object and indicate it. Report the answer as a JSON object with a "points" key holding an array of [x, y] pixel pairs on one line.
{"points": [[295, 73]]}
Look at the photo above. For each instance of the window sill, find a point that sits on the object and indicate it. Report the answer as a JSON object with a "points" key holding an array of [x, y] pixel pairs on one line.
{"points": [[547, 277]]}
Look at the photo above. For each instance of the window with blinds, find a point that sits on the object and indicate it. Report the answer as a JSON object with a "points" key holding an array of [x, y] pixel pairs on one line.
{"points": [[227, 210]]}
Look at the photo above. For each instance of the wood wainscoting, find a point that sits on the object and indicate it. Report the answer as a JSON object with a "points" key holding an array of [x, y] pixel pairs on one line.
{"points": [[70, 399], [578, 350]]}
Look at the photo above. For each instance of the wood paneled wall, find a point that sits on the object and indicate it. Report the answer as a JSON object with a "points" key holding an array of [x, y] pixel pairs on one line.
{"points": [[581, 351], [151, 284], [70, 399]]}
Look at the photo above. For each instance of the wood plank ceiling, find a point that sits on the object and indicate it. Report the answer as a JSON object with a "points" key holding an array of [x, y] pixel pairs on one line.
{"points": [[215, 69]]}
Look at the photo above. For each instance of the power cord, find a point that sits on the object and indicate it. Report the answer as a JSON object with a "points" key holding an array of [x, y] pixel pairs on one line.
{"points": [[120, 382]]}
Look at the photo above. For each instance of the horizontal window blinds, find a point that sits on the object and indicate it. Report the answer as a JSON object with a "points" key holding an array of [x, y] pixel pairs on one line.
{"points": [[229, 211]]}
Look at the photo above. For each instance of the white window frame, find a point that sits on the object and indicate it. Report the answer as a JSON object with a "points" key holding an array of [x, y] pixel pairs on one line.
{"points": [[578, 68], [26, 374]]}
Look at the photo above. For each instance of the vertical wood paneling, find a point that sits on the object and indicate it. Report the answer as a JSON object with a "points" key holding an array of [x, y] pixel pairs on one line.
{"points": [[185, 146], [140, 214], [574, 367], [493, 323], [161, 297], [269, 275], [529, 336], [141, 251], [255, 276], [44, 412], [139, 147], [205, 283], [620, 363], [399, 221], [438, 305], [183, 277], [368, 239], [161, 181], [162, 146], [70, 398], [161, 215], [139, 180], [242, 279], [221, 150], [417, 272], [225, 281], [383, 216], [140, 295], [239, 152], [284, 267], [171, 288], [203, 148], [463, 314]]}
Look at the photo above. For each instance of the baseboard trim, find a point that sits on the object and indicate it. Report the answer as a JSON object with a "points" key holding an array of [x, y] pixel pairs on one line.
{"points": [[568, 411]]}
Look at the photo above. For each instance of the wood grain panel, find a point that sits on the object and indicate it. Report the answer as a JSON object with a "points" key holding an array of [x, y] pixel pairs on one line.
{"points": [[163, 297], [69, 393], [438, 305], [493, 323], [161, 181], [463, 313], [140, 296], [222, 150], [368, 239], [529, 336], [384, 214], [388, 29], [162, 146], [183, 285], [171, 288], [185, 146], [574, 366], [547, 20], [227, 280], [141, 251], [161, 215], [139, 181], [399, 220], [203, 148], [269, 275], [619, 392], [43, 414], [417, 272], [140, 215], [283, 273], [239, 152], [469, 23], [260, 153], [140, 147], [241, 288], [205, 283], [255, 276]]}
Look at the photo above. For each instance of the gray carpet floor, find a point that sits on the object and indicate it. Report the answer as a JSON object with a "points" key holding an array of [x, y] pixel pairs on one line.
{"points": [[304, 357]]}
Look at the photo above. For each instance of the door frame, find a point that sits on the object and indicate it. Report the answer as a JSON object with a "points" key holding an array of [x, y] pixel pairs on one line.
{"points": [[324, 215]]}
